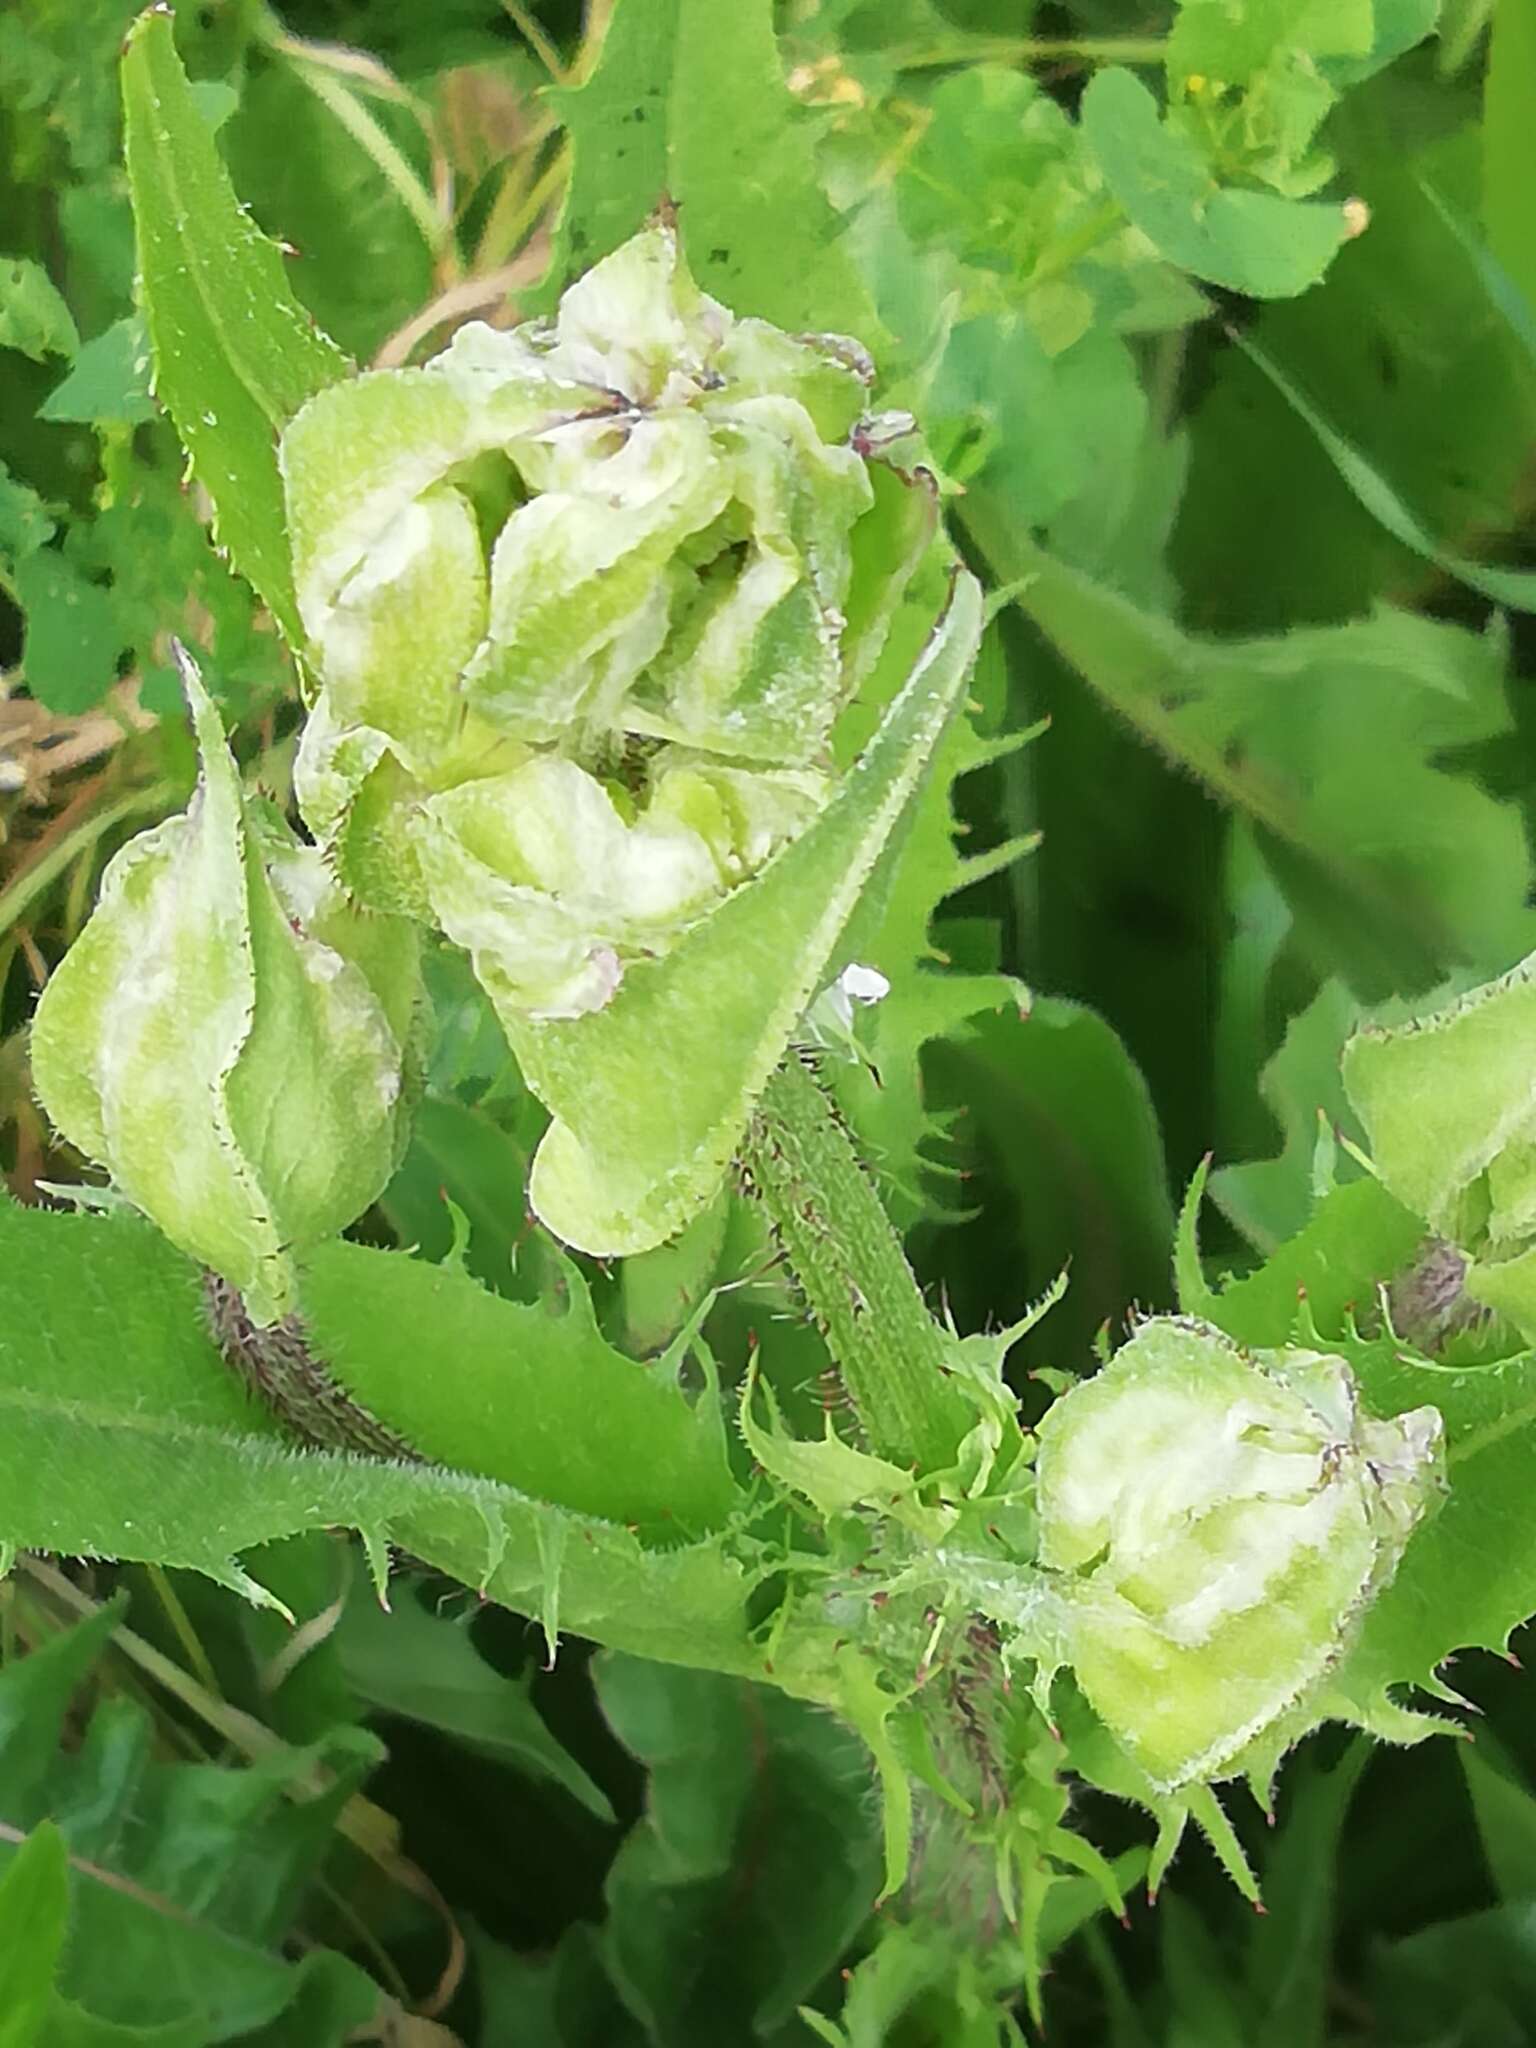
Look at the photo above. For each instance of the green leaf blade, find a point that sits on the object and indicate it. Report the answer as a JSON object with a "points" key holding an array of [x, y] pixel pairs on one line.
{"points": [[34, 1910], [235, 354], [1251, 242], [669, 1070], [688, 103], [533, 1399]]}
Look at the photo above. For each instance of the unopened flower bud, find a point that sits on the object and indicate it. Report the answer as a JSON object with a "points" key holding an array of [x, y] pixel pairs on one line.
{"points": [[228, 1036], [1218, 1524], [1446, 1103], [550, 887]]}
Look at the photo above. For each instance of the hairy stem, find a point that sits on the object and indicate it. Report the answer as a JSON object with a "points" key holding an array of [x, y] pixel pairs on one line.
{"points": [[278, 1366], [848, 1264]]}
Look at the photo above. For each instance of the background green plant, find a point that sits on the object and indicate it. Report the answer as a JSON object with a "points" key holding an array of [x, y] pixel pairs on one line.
{"points": [[1259, 486]]}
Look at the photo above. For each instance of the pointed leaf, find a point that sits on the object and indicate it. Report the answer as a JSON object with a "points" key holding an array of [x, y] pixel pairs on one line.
{"points": [[235, 353], [535, 1398], [34, 1909], [124, 1434], [652, 1093]]}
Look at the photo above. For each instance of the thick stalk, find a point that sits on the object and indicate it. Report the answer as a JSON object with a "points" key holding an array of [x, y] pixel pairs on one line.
{"points": [[849, 1266]]}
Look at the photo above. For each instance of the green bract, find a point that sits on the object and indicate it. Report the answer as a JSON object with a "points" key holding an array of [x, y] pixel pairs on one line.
{"points": [[1449, 1104], [1217, 1524], [228, 1036], [574, 596]]}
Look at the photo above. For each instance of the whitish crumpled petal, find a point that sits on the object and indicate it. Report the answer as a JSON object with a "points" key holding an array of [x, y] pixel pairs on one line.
{"points": [[637, 323], [577, 570]]}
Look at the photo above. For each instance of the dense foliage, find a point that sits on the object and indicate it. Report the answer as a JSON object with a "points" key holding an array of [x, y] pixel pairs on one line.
{"points": [[772, 1248]]}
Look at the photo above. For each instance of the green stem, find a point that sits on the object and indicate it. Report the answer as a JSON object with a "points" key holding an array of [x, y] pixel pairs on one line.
{"points": [[181, 1624], [848, 1264], [25, 890]]}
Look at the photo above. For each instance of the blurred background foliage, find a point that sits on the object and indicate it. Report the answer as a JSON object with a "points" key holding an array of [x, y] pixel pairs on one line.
{"points": [[1265, 555]]}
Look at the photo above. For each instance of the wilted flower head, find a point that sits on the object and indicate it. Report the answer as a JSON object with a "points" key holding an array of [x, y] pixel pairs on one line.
{"points": [[575, 597]]}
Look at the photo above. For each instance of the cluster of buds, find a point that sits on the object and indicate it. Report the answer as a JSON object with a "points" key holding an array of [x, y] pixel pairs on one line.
{"points": [[576, 603], [575, 597]]}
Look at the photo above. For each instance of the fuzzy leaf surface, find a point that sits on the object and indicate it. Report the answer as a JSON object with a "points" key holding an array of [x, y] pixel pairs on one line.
{"points": [[651, 1094], [235, 353], [127, 1436]]}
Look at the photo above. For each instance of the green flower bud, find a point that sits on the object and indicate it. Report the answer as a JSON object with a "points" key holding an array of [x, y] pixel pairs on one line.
{"points": [[228, 1036], [1218, 1524], [1447, 1104], [550, 887], [628, 524]]}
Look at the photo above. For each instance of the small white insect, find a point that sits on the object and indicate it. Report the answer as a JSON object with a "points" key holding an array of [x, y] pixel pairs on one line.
{"points": [[829, 1021]]}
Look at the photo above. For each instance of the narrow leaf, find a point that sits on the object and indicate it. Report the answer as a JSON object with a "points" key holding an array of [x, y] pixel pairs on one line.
{"points": [[34, 1909], [235, 353], [1513, 587]]}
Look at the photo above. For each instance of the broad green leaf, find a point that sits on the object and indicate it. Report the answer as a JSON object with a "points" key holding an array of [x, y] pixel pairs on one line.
{"points": [[74, 632], [529, 1395], [235, 354], [108, 381], [1470, 1977], [126, 1435], [411, 1661], [33, 316], [1327, 738], [1233, 46], [1446, 1102], [651, 1094], [551, 2000], [1311, 1287], [747, 1790], [1253, 242], [1468, 1577], [1506, 1818], [1270, 1199], [688, 103], [25, 526], [1060, 1142], [34, 1909]]}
